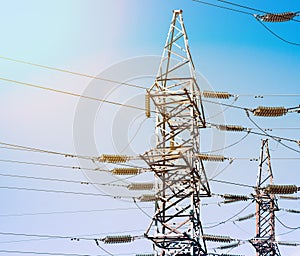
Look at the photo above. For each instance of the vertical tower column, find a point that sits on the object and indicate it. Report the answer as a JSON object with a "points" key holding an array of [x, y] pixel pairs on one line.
{"points": [[266, 205], [180, 179]]}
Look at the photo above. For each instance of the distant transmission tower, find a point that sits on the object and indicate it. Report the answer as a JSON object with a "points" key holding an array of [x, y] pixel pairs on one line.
{"points": [[266, 205], [180, 179]]}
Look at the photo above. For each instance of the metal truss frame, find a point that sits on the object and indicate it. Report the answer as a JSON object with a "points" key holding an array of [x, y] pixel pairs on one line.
{"points": [[180, 179], [266, 205]]}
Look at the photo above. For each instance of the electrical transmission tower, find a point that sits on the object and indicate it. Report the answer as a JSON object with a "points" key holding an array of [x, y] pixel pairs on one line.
{"points": [[266, 205], [180, 179]]}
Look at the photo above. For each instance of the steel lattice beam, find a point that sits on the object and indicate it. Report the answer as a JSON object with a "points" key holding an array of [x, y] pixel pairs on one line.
{"points": [[180, 175]]}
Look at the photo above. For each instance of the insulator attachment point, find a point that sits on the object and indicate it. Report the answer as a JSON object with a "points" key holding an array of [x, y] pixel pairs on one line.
{"points": [[148, 198], [118, 239], [281, 189], [232, 128], [113, 158], [125, 171], [216, 238], [214, 158], [276, 17], [269, 111], [140, 186], [216, 95]]}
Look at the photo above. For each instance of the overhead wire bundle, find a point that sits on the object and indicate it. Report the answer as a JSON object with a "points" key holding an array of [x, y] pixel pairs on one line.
{"points": [[260, 15]]}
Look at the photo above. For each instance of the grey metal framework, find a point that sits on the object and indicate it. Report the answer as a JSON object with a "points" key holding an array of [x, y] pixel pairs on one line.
{"points": [[180, 179], [266, 205]]}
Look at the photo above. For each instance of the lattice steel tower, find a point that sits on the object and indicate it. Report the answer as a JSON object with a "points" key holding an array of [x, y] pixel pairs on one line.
{"points": [[180, 179], [266, 205]]}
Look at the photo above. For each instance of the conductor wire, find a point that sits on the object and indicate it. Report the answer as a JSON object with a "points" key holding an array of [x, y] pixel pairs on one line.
{"points": [[274, 34], [266, 134]]}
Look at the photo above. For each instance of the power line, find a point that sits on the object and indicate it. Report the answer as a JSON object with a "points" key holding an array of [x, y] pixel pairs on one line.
{"points": [[248, 13], [222, 7], [239, 227], [266, 134], [130, 84], [226, 105], [221, 158], [39, 150], [134, 136], [276, 35], [249, 130], [98, 234], [62, 254], [249, 8], [107, 239], [228, 146], [75, 238], [290, 210], [98, 245], [107, 101], [72, 94], [244, 108], [276, 128], [241, 6], [72, 72], [64, 166], [23, 240], [62, 192], [72, 238], [274, 137], [43, 253], [135, 85], [141, 209], [61, 180], [288, 232], [51, 165], [72, 212], [221, 171], [223, 222], [256, 159], [244, 7], [260, 96], [223, 111], [293, 228], [97, 169], [93, 159], [232, 183]]}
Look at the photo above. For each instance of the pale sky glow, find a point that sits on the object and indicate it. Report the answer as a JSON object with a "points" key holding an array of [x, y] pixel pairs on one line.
{"points": [[123, 40]]}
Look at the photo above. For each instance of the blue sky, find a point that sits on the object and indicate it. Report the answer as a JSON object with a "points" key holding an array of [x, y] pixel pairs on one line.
{"points": [[111, 39]]}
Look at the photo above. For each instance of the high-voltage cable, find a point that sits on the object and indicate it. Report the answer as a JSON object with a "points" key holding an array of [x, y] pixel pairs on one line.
{"points": [[266, 17], [71, 93], [71, 72]]}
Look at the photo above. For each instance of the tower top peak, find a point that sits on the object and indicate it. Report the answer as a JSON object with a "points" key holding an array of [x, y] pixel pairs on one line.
{"points": [[177, 11]]}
